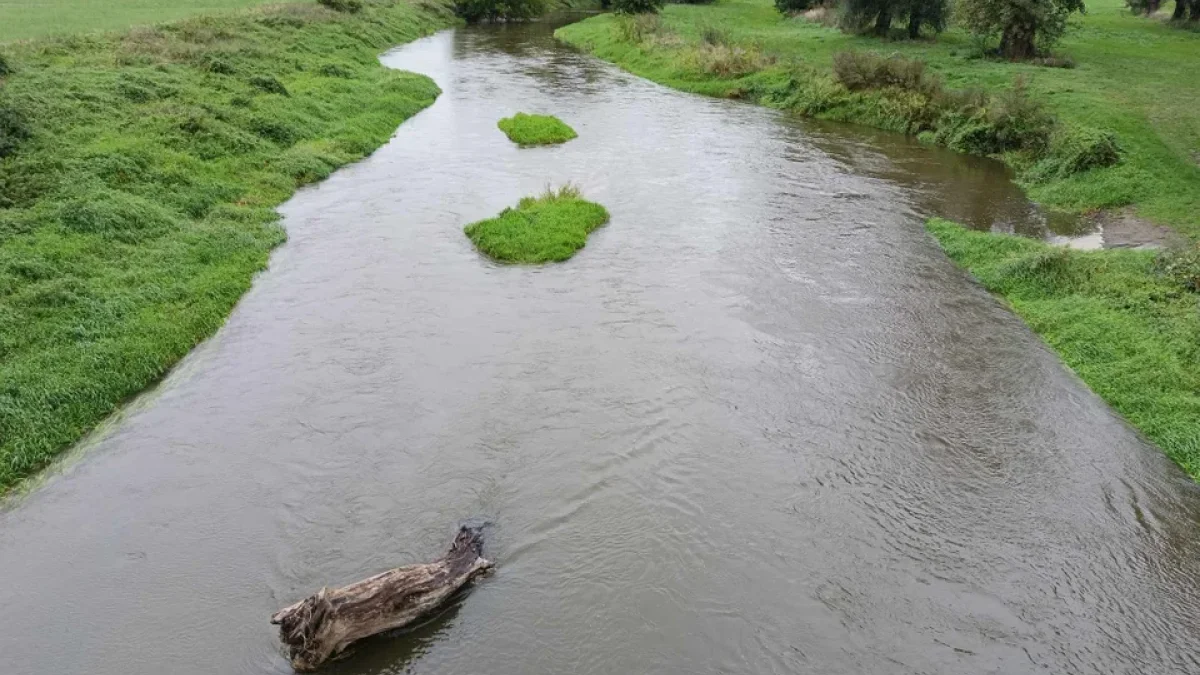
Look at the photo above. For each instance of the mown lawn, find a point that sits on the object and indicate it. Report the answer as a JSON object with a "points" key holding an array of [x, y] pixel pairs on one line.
{"points": [[1135, 77], [23, 19]]}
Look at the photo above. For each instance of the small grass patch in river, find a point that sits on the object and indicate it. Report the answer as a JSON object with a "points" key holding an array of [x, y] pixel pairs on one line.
{"points": [[528, 129], [1124, 320], [547, 228]]}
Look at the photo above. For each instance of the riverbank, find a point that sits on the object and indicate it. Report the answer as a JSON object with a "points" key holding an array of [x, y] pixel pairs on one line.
{"points": [[138, 183], [1132, 80], [1126, 330]]}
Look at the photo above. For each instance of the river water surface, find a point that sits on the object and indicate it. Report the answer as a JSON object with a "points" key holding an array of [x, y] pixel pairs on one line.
{"points": [[759, 425]]}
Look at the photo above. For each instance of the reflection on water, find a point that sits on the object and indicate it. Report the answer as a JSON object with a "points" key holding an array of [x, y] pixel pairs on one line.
{"points": [[759, 424]]}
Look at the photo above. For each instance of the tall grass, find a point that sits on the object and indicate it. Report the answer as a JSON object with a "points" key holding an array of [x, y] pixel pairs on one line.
{"points": [[137, 198]]}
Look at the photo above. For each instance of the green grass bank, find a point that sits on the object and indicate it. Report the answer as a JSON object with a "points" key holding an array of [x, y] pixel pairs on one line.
{"points": [[1127, 330], [525, 129], [547, 228], [1135, 79], [139, 173], [24, 19]]}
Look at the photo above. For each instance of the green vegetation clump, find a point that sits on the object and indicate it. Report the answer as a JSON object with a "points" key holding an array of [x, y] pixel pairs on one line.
{"points": [[1127, 330], [548, 228], [637, 6], [138, 186], [536, 129], [1134, 96]]}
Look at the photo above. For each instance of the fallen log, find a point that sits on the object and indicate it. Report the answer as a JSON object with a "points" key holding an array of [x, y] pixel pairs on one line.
{"points": [[321, 626]]}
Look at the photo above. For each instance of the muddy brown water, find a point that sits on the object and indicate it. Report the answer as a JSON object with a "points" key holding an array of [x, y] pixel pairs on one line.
{"points": [[759, 425]]}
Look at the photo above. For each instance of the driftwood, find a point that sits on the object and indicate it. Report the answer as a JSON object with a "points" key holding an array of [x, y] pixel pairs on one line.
{"points": [[322, 625]]}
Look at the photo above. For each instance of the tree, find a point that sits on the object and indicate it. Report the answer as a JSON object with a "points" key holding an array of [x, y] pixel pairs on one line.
{"points": [[1023, 25], [876, 16], [873, 16], [931, 13], [1186, 9]]}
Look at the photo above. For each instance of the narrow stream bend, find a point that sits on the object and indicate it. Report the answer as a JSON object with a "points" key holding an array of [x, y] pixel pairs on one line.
{"points": [[759, 425]]}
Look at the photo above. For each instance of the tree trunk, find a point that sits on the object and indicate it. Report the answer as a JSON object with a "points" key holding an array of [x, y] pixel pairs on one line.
{"points": [[883, 21], [1017, 42], [1152, 7], [1195, 15], [1181, 8], [323, 625], [914, 23]]}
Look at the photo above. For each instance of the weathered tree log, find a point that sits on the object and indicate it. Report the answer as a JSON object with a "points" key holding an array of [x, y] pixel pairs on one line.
{"points": [[321, 626]]}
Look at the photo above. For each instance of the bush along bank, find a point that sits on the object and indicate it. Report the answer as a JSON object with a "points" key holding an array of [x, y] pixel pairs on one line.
{"points": [[1125, 321], [138, 178], [1118, 129]]}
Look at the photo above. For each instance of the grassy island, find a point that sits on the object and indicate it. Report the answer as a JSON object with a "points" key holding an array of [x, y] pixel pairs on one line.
{"points": [[547, 228], [525, 129]]}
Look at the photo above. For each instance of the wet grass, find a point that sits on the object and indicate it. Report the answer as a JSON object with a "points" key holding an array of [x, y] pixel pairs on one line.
{"points": [[1135, 77], [526, 129], [547, 228], [1129, 332], [24, 19], [138, 178]]}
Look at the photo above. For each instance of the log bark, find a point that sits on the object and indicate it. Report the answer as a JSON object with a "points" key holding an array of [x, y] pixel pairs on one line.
{"points": [[321, 626]]}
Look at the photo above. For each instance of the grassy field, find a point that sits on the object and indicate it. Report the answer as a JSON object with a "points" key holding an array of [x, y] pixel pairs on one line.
{"points": [[1128, 332], [1135, 78], [24, 19], [138, 178], [525, 129], [547, 228]]}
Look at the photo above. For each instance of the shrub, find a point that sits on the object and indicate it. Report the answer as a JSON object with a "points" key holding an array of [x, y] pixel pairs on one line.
{"points": [[475, 11], [637, 6], [868, 70], [1019, 121], [5, 69], [348, 6], [1075, 149], [713, 36], [793, 6], [268, 84], [637, 27], [1181, 265], [725, 60]]}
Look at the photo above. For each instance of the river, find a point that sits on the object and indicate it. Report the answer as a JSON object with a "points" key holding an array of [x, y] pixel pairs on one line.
{"points": [[760, 424]]}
